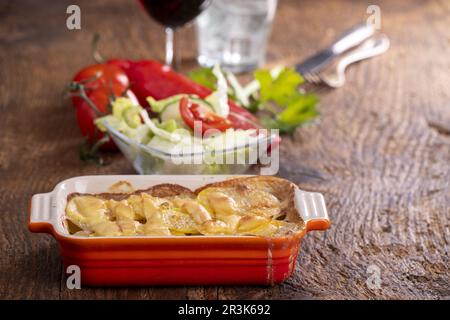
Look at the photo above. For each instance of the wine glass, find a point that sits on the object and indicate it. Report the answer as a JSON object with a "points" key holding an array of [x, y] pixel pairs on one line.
{"points": [[173, 14]]}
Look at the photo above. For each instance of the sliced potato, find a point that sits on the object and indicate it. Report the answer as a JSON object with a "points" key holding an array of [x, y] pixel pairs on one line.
{"points": [[241, 206], [212, 227], [181, 223], [256, 225], [106, 228], [85, 211]]}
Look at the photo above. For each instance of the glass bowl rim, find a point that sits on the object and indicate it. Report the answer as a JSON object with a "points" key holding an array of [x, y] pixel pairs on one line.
{"points": [[119, 135]]}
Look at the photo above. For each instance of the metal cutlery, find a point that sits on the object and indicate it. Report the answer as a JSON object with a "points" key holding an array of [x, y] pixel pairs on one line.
{"points": [[349, 39], [335, 77]]}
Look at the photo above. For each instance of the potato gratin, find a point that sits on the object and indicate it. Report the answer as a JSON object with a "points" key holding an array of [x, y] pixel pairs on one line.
{"points": [[258, 205]]}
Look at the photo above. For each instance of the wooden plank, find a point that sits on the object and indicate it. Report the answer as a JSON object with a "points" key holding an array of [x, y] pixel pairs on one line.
{"points": [[380, 153]]}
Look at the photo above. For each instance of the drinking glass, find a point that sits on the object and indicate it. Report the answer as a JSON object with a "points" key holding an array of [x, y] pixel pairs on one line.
{"points": [[173, 14], [234, 33]]}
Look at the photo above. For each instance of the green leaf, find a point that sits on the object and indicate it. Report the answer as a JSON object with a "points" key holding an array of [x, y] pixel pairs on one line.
{"points": [[265, 81], [282, 88], [301, 109], [204, 76], [280, 96]]}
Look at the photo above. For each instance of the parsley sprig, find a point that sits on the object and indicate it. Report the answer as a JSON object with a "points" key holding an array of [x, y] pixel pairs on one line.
{"points": [[273, 96]]}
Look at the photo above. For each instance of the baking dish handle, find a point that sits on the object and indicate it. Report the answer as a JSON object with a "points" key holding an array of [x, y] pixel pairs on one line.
{"points": [[41, 213], [312, 209]]}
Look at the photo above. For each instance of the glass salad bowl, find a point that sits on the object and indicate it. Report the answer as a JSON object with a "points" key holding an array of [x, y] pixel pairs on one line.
{"points": [[236, 159]]}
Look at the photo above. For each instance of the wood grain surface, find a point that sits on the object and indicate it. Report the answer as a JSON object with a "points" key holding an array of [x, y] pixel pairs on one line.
{"points": [[380, 153]]}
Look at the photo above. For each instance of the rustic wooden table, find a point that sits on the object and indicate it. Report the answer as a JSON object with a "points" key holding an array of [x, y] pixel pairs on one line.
{"points": [[380, 154]]}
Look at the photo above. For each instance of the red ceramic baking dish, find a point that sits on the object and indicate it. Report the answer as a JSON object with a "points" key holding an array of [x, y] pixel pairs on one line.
{"points": [[171, 260]]}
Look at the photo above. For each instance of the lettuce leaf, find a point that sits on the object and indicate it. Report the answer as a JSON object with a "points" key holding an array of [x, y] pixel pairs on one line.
{"points": [[219, 98]]}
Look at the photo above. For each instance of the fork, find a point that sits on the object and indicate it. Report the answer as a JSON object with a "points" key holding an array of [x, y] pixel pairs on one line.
{"points": [[335, 77]]}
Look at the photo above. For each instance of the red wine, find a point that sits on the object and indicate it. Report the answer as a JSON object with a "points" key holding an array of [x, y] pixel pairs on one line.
{"points": [[174, 13]]}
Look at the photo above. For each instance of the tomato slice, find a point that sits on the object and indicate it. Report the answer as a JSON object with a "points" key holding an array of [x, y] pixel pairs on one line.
{"points": [[191, 112]]}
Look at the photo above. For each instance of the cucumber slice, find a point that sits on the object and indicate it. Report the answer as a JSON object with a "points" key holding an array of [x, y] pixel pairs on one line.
{"points": [[169, 125], [159, 105], [131, 117], [176, 100], [172, 112]]}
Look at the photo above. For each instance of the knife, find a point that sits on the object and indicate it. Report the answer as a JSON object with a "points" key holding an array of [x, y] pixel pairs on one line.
{"points": [[346, 41]]}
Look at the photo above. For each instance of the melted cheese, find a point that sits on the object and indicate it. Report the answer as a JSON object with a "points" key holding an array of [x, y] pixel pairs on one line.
{"points": [[215, 211], [245, 201]]}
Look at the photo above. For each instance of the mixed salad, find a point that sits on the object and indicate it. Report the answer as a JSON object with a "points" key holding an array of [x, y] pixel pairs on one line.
{"points": [[155, 106], [182, 122]]}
